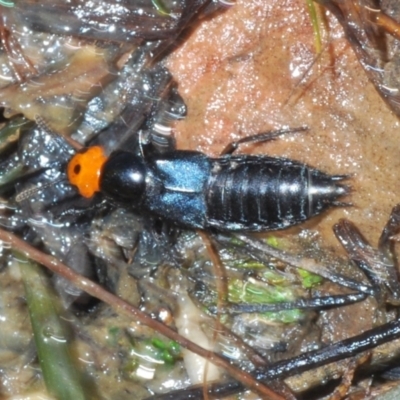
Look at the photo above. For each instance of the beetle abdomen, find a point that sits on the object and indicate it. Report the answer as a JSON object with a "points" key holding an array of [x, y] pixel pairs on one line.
{"points": [[263, 193]]}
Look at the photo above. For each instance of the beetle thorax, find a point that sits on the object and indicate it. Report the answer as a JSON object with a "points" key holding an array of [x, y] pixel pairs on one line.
{"points": [[123, 178]]}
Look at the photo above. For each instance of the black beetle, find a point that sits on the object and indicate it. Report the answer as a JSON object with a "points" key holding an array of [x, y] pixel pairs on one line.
{"points": [[229, 193]]}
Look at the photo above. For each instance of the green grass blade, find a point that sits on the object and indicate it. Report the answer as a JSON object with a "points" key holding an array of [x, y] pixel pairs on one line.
{"points": [[160, 7], [315, 24], [6, 3], [60, 373]]}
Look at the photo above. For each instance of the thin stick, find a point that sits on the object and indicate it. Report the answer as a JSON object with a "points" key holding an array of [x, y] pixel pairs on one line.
{"points": [[219, 269]]}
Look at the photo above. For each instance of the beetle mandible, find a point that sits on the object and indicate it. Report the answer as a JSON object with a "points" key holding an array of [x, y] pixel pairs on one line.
{"points": [[250, 193]]}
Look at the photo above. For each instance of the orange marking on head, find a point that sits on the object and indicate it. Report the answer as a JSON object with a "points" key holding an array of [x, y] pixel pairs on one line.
{"points": [[84, 170]]}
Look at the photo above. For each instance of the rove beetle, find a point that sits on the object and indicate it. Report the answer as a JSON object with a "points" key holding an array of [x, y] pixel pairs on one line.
{"points": [[230, 193]]}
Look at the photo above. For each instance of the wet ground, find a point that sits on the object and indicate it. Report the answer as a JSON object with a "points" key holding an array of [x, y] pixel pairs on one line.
{"points": [[249, 69]]}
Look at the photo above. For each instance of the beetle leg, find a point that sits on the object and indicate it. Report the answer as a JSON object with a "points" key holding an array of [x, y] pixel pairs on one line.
{"points": [[260, 137], [79, 211]]}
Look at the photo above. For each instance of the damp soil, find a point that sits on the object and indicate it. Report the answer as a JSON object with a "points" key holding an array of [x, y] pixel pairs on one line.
{"points": [[251, 68]]}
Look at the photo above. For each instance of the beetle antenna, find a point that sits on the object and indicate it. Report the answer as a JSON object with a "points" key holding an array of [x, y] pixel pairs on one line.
{"points": [[44, 126], [28, 193], [260, 137]]}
